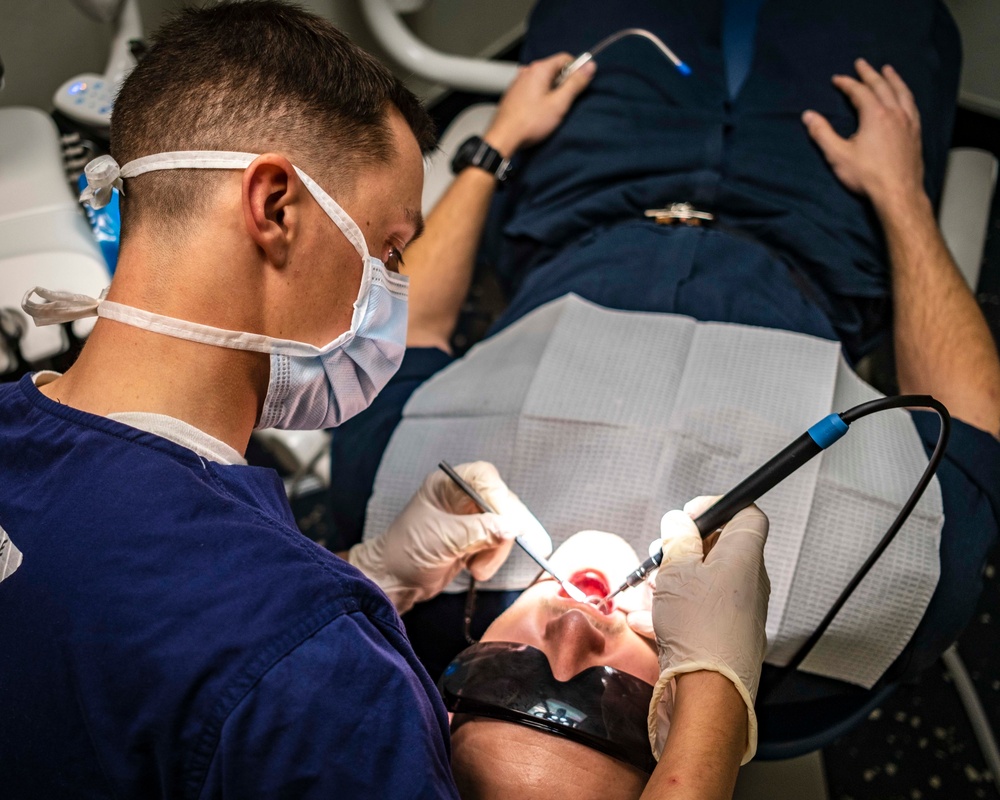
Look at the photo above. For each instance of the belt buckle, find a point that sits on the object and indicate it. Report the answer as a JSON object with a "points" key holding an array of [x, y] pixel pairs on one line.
{"points": [[683, 213]]}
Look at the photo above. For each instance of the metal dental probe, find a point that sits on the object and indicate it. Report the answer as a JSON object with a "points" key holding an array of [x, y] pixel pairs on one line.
{"points": [[568, 587], [811, 443]]}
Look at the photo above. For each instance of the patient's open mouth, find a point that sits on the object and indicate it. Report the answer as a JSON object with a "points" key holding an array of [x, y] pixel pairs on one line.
{"points": [[595, 586]]}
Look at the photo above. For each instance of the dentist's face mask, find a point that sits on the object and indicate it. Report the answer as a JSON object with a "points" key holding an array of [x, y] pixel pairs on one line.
{"points": [[310, 387]]}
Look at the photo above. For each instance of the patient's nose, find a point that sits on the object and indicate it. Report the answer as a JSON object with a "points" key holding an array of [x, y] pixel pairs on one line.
{"points": [[572, 644]]}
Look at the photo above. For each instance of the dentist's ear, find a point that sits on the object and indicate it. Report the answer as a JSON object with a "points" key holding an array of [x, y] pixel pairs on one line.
{"points": [[271, 195]]}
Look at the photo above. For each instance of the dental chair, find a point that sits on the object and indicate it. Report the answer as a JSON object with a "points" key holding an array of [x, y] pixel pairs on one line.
{"points": [[798, 731], [45, 239]]}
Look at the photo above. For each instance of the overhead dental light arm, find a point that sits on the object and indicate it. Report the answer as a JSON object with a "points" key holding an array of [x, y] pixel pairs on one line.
{"points": [[459, 72], [129, 28]]}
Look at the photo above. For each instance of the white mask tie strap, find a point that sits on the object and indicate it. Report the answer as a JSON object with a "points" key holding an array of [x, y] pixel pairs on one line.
{"points": [[188, 159], [103, 176], [340, 217], [56, 307]]}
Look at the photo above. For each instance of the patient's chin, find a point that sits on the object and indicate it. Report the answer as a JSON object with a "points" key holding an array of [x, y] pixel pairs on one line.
{"points": [[491, 759]]}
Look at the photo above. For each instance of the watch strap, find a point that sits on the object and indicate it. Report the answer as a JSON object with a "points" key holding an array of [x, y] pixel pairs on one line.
{"points": [[476, 152]]}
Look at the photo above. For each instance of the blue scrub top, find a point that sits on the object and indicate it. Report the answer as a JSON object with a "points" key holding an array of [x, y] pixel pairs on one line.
{"points": [[170, 633]]}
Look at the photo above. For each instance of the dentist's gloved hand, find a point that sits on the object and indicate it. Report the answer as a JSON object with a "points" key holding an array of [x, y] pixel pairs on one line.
{"points": [[441, 531], [709, 611]]}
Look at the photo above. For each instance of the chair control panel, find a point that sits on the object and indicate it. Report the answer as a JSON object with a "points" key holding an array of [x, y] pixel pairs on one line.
{"points": [[87, 98]]}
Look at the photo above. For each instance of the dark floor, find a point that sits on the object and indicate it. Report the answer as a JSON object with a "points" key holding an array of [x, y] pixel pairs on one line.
{"points": [[920, 744]]}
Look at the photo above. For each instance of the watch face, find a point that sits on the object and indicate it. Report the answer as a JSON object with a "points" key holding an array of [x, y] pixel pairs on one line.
{"points": [[474, 152], [468, 149]]}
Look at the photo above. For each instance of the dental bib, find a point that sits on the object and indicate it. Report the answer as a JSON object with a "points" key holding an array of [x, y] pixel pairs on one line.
{"points": [[607, 419], [310, 387]]}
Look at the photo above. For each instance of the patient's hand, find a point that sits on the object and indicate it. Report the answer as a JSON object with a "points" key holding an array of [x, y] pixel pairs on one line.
{"points": [[531, 109], [882, 159]]}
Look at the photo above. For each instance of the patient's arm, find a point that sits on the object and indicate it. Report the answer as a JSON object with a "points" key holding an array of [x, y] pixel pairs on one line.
{"points": [[943, 345], [708, 734], [440, 263]]}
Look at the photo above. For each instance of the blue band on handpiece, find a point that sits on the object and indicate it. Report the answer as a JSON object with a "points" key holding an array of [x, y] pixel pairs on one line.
{"points": [[828, 430]]}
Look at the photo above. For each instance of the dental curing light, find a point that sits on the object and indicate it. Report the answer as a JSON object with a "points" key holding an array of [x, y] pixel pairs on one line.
{"points": [[820, 436]]}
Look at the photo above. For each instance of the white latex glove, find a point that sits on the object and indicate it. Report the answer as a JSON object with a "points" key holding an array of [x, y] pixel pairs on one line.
{"points": [[709, 611], [641, 620], [440, 531]]}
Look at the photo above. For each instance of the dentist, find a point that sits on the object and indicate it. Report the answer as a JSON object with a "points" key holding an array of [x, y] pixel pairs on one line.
{"points": [[165, 630]]}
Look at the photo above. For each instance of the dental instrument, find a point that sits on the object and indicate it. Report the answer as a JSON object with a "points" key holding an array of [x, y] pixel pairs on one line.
{"points": [[473, 495], [820, 436], [588, 55]]}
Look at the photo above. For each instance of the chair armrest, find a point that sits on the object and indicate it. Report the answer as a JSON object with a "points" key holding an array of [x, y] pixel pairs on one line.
{"points": [[969, 182]]}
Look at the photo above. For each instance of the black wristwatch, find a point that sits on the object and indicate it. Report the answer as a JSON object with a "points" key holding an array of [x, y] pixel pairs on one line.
{"points": [[474, 152]]}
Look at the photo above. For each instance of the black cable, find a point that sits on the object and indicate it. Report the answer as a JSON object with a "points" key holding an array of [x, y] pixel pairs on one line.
{"points": [[849, 416]]}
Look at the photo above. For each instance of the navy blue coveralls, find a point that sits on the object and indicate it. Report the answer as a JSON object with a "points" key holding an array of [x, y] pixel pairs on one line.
{"points": [[793, 249]]}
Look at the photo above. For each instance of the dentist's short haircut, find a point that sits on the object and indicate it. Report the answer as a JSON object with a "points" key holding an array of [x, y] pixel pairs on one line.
{"points": [[254, 76]]}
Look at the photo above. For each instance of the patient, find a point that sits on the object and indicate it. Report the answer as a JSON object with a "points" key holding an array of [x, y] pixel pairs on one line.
{"points": [[496, 758], [821, 160]]}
